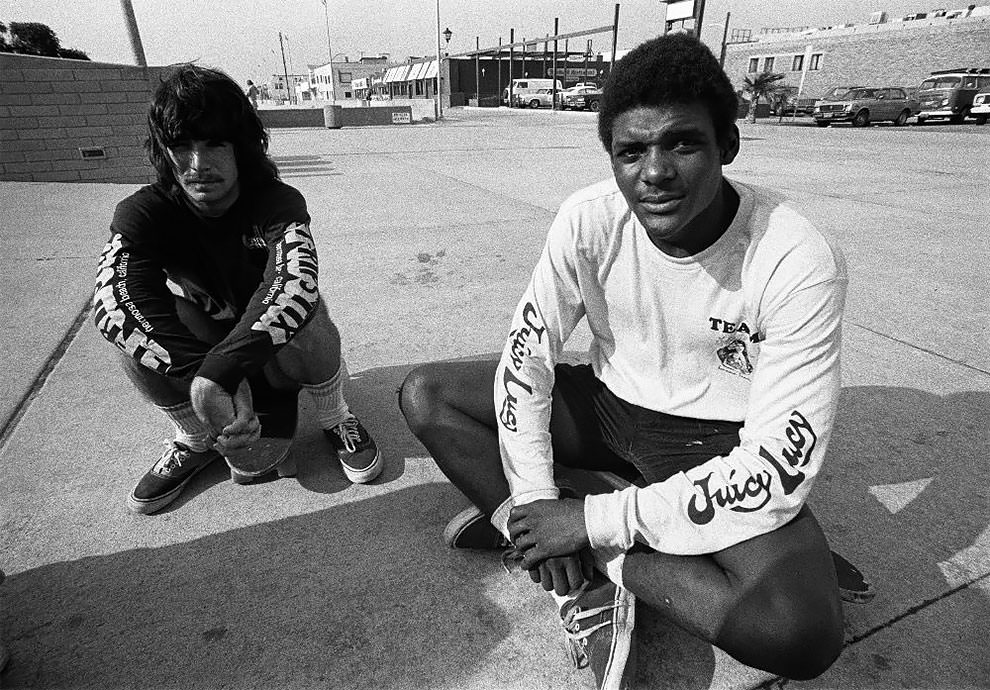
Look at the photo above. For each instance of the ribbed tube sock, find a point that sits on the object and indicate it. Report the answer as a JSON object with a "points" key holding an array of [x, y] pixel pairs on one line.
{"points": [[331, 408], [190, 430]]}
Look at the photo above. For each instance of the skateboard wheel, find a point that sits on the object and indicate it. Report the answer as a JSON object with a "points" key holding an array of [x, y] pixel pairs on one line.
{"points": [[287, 468], [240, 477]]}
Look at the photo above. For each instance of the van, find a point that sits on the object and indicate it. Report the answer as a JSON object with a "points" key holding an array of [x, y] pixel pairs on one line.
{"points": [[521, 88], [949, 94]]}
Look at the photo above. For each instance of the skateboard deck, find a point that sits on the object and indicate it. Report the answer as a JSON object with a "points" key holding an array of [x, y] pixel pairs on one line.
{"points": [[278, 413]]}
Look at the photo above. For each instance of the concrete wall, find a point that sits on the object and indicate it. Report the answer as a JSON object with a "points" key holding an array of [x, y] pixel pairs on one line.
{"points": [[899, 53], [52, 107], [380, 113]]}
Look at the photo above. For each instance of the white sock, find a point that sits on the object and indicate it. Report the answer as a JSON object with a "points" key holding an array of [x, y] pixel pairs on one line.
{"points": [[331, 408], [190, 430]]}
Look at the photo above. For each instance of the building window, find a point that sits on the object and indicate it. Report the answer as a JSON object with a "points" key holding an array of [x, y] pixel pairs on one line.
{"points": [[345, 77], [798, 63], [816, 61], [347, 94], [754, 65], [768, 64]]}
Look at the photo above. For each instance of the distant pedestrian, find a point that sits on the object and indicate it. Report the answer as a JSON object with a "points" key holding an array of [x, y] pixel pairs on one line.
{"points": [[715, 311], [252, 94], [209, 287]]}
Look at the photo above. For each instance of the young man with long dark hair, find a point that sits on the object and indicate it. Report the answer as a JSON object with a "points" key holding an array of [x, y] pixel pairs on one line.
{"points": [[208, 286]]}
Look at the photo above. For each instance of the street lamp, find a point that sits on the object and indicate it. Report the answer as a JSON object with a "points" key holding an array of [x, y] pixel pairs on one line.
{"points": [[447, 33]]}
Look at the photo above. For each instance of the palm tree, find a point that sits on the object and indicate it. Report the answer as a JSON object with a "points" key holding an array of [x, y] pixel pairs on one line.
{"points": [[761, 86]]}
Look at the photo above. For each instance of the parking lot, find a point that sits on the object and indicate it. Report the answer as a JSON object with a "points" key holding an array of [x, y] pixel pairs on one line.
{"points": [[427, 235]]}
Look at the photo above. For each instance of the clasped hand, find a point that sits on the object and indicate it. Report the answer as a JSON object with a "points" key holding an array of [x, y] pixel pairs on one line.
{"points": [[550, 539], [232, 420]]}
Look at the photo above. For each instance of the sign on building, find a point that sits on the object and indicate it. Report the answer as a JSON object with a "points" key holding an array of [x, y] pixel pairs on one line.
{"points": [[679, 10]]}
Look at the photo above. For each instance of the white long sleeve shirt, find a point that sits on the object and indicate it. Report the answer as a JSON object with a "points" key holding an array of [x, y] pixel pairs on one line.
{"points": [[747, 330]]}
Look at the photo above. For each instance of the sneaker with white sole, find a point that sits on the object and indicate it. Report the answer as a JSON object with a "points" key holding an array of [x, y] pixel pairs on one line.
{"points": [[599, 624], [471, 529], [163, 483], [356, 450]]}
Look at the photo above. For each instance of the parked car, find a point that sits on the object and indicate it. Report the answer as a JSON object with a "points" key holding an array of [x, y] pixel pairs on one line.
{"points": [[949, 94], [787, 102], [861, 106], [542, 98], [570, 91], [838, 93], [981, 108], [583, 100], [524, 89]]}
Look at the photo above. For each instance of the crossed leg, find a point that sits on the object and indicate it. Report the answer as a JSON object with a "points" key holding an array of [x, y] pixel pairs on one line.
{"points": [[771, 602]]}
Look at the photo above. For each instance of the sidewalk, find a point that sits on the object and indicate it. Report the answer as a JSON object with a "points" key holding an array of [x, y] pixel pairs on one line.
{"points": [[427, 236]]}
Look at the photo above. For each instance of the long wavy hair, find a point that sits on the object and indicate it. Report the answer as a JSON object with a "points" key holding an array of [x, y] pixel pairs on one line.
{"points": [[194, 102]]}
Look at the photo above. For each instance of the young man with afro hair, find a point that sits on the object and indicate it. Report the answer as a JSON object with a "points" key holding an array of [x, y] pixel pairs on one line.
{"points": [[713, 380]]}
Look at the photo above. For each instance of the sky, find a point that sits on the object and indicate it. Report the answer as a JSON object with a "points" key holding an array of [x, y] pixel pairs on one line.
{"points": [[242, 36]]}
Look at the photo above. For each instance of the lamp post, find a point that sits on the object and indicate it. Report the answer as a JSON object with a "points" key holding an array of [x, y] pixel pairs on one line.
{"points": [[447, 33], [439, 71]]}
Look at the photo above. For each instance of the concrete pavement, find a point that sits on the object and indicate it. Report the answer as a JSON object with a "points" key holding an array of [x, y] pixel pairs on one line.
{"points": [[427, 235]]}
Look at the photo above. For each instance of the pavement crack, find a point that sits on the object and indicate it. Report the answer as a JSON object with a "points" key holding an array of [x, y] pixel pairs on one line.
{"points": [[920, 349], [913, 610], [10, 424]]}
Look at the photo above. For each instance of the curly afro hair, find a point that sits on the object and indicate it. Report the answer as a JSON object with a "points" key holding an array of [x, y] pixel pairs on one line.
{"points": [[194, 102], [675, 68]]}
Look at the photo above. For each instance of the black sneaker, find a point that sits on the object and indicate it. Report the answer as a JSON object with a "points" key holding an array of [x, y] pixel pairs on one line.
{"points": [[356, 450], [471, 529], [599, 624], [853, 586], [165, 481]]}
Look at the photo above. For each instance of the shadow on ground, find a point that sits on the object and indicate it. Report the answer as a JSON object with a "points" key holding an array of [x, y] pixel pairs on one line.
{"points": [[282, 604], [302, 602]]}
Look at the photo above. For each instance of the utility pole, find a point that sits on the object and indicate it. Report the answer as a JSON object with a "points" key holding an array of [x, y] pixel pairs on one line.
{"points": [[556, 30], [285, 69], [132, 31], [725, 35], [512, 40], [333, 81], [615, 34], [698, 18], [477, 70], [498, 86]]}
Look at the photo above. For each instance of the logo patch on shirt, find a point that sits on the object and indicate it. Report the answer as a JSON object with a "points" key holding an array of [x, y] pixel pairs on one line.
{"points": [[255, 240], [737, 349], [734, 358]]}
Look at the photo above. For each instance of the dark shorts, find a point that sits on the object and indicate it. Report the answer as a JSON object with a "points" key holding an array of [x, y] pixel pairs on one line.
{"points": [[594, 429]]}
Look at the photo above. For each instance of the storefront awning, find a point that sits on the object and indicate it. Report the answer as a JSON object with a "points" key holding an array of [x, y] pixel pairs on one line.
{"points": [[396, 73], [431, 70], [416, 71]]}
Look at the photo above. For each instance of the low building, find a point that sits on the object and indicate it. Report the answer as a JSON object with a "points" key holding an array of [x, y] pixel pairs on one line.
{"points": [[877, 53], [335, 81]]}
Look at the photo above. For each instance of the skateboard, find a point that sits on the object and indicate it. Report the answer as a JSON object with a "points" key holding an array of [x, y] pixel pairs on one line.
{"points": [[854, 588], [278, 413]]}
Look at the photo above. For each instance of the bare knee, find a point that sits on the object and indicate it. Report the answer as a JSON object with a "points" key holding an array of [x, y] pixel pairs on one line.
{"points": [[420, 399], [796, 639]]}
